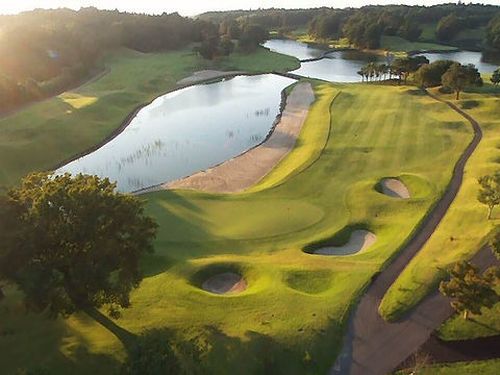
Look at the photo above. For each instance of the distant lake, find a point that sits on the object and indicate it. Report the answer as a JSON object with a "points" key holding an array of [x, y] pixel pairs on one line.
{"points": [[340, 66], [186, 131], [300, 50], [464, 57]]}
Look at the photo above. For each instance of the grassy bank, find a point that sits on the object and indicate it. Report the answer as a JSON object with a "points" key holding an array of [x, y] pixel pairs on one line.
{"points": [[291, 317], [465, 226], [491, 367], [46, 133]]}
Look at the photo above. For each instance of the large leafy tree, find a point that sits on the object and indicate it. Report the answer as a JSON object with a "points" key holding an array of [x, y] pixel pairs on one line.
{"points": [[495, 77], [489, 192], [72, 243], [469, 290], [458, 77], [429, 75]]}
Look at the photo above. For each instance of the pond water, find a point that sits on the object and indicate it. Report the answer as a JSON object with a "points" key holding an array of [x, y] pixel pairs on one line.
{"points": [[340, 66], [300, 50], [463, 57], [186, 131]]}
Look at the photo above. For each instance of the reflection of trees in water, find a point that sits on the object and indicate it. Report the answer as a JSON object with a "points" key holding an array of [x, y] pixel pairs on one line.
{"points": [[255, 138], [146, 153], [262, 112]]}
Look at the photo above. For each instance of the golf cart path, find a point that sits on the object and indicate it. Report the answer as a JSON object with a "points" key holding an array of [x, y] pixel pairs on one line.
{"points": [[245, 170], [373, 346]]}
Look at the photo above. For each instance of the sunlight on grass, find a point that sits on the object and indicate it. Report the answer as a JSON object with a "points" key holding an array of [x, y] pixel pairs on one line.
{"points": [[77, 101]]}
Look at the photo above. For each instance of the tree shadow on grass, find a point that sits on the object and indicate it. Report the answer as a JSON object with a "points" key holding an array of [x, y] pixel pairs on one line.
{"points": [[213, 351], [34, 344], [493, 330]]}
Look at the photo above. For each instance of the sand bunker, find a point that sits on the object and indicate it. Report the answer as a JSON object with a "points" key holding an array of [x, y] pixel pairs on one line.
{"points": [[245, 170], [394, 188], [206, 75], [359, 241], [225, 283]]}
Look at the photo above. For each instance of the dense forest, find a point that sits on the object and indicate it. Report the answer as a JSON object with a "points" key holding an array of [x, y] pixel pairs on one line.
{"points": [[365, 26]]}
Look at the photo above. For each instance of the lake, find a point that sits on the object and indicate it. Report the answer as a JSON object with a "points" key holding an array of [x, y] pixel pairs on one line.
{"points": [[464, 57], [186, 131], [340, 66]]}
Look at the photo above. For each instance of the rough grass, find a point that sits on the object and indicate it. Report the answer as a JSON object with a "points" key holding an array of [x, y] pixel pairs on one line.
{"points": [[54, 130], [486, 324], [291, 318], [491, 367], [465, 226]]}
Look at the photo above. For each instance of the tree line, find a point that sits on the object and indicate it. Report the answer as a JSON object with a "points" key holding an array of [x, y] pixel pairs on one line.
{"points": [[449, 74], [364, 27]]}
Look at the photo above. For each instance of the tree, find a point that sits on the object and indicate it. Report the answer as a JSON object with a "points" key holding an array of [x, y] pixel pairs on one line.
{"points": [[448, 27], [458, 77], [493, 33], [469, 290], [252, 36], [489, 192], [73, 243], [402, 67], [429, 75], [495, 77], [226, 46]]}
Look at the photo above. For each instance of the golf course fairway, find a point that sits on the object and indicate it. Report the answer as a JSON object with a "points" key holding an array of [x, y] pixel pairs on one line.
{"points": [[292, 314]]}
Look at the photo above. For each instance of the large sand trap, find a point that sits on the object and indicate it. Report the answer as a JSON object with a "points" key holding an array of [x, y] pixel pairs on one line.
{"points": [[225, 283], [359, 241], [206, 75], [247, 169], [394, 188]]}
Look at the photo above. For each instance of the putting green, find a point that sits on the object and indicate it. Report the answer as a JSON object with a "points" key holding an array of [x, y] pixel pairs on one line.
{"points": [[291, 317]]}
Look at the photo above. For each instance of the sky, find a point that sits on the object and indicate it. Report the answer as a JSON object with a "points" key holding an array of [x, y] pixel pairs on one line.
{"points": [[193, 7]]}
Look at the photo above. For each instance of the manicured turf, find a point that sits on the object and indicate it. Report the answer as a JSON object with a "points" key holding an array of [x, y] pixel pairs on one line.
{"points": [[54, 130], [397, 44], [291, 317], [465, 226]]}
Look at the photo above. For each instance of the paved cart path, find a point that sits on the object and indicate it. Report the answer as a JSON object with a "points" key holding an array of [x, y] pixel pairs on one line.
{"points": [[373, 346]]}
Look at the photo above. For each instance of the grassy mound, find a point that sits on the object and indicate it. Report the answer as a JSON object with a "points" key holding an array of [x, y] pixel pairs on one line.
{"points": [[311, 282]]}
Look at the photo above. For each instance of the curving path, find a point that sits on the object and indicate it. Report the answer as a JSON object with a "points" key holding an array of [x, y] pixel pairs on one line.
{"points": [[373, 346]]}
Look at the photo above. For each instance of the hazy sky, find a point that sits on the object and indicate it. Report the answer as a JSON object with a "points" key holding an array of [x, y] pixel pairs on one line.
{"points": [[193, 7]]}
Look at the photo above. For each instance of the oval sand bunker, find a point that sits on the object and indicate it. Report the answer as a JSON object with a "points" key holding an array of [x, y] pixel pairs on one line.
{"points": [[393, 187], [225, 283], [359, 240]]}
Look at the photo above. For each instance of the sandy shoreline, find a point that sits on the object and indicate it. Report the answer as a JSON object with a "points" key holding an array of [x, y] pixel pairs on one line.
{"points": [[245, 170]]}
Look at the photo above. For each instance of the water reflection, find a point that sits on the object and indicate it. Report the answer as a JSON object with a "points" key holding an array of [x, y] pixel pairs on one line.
{"points": [[186, 131], [464, 57]]}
